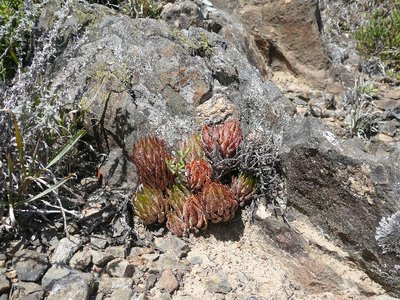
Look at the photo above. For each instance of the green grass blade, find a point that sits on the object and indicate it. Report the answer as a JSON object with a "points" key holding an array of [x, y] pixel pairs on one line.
{"points": [[49, 190], [44, 193], [70, 144], [33, 163], [18, 138]]}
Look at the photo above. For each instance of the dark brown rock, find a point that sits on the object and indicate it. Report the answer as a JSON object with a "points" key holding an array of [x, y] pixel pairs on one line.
{"points": [[287, 37]]}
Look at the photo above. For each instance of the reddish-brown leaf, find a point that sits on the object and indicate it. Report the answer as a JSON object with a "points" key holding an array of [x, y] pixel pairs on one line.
{"points": [[193, 214], [176, 224], [218, 202], [210, 139], [222, 139], [243, 188], [149, 156], [230, 136], [197, 173]]}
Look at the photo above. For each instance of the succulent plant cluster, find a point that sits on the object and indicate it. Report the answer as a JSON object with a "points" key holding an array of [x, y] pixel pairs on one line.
{"points": [[182, 188]]}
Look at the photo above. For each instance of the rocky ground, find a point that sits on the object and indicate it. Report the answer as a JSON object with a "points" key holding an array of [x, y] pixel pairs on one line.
{"points": [[238, 260], [136, 76]]}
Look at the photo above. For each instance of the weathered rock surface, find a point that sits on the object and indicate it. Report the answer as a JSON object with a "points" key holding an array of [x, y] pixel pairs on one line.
{"points": [[81, 260], [141, 76], [120, 268], [100, 258], [345, 191], [29, 291], [116, 251], [286, 37], [167, 282], [4, 282], [70, 287], [218, 283], [65, 250], [116, 288], [182, 14], [30, 265], [172, 244], [71, 282]]}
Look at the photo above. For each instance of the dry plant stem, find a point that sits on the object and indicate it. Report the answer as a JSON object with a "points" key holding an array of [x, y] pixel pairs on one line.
{"points": [[40, 211], [72, 213], [258, 156], [63, 215]]}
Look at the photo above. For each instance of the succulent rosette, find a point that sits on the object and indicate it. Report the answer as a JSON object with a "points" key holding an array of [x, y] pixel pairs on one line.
{"points": [[150, 205], [149, 156]]}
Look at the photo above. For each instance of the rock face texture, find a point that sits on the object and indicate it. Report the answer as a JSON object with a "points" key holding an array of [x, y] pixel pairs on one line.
{"points": [[344, 191], [286, 36], [30, 265], [140, 76]]}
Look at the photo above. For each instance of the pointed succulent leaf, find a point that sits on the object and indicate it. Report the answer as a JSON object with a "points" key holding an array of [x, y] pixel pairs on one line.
{"points": [[175, 223], [222, 139], [193, 148], [198, 172], [150, 205], [230, 136], [177, 196], [210, 140], [193, 214], [218, 202], [243, 188], [149, 156]]}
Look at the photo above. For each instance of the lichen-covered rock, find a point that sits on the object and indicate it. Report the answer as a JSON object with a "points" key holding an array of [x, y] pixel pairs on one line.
{"points": [[140, 76]]}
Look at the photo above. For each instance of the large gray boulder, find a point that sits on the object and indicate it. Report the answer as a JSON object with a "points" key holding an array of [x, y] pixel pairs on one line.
{"points": [[137, 76]]}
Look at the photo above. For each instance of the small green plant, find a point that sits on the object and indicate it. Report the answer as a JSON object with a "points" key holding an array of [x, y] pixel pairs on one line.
{"points": [[388, 234], [368, 89], [17, 22], [26, 171], [150, 205], [363, 123], [134, 8], [380, 36], [199, 45], [143, 8], [362, 120], [11, 15]]}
